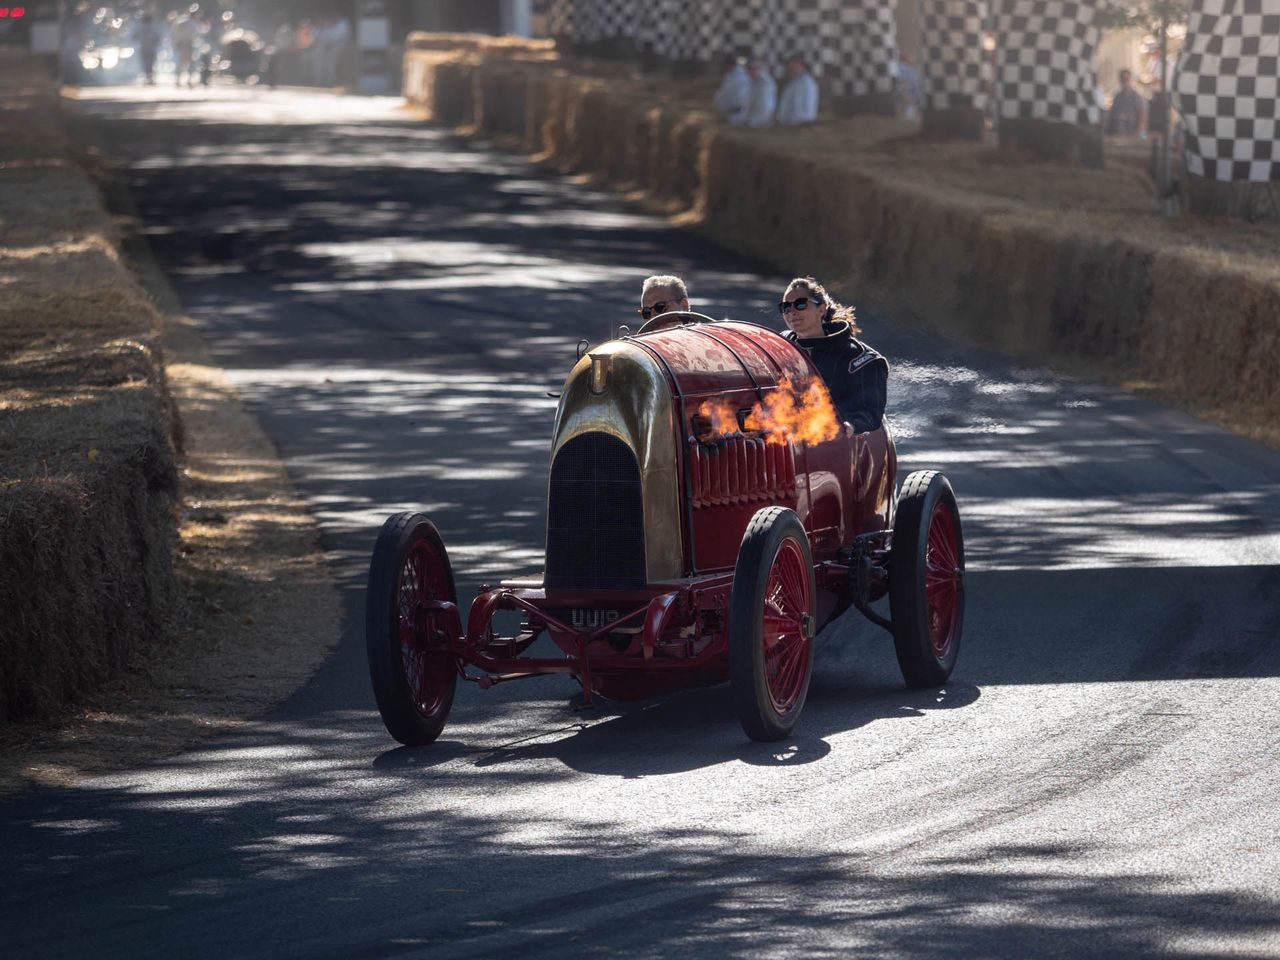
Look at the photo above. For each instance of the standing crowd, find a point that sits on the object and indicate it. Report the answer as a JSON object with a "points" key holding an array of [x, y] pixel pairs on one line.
{"points": [[748, 94], [191, 41]]}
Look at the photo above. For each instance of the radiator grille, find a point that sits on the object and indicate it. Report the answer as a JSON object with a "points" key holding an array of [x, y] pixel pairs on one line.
{"points": [[595, 517]]}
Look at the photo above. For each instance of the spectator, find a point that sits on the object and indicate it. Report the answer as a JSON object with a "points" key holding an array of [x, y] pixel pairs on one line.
{"points": [[1128, 113], [907, 89], [150, 36], [732, 98], [210, 44], [799, 103], [186, 35], [340, 39], [762, 103]]}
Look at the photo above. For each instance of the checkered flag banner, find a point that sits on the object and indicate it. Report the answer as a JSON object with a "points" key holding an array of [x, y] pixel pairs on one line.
{"points": [[799, 27], [770, 30], [618, 18], [560, 18], [861, 46], [678, 29], [855, 39], [1226, 90], [953, 70], [1046, 68]]}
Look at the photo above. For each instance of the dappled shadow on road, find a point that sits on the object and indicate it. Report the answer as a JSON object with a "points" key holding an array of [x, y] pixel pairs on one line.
{"points": [[395, 304], [230, 851], [397, 337], [696, 729]]}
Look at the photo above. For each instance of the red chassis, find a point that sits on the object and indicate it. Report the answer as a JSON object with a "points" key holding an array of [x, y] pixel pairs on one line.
{"points": [[762, 544]]}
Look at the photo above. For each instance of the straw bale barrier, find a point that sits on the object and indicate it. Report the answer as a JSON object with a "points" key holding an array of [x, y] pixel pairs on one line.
{"points": [[1200, 329], [88, 481]]}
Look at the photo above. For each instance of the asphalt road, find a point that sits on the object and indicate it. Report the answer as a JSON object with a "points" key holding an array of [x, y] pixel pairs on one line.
{"points": [[1099, 779]]}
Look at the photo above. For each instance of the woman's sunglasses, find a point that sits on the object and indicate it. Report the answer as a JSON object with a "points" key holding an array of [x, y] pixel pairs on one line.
{"points": [[799, 303], [657, 308]]}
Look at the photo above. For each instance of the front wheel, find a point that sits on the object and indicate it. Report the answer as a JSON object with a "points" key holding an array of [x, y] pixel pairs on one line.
{"points": [[771, 624], [926, 580], [413, 676]]}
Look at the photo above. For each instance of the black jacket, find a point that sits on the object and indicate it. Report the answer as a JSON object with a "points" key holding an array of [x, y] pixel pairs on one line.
{"points": [[856, 375]]}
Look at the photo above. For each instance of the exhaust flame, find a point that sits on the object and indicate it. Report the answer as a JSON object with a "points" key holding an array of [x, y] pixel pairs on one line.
{"points": [[787, 415]]}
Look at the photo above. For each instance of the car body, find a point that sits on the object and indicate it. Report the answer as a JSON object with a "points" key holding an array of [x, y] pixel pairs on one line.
{"points": [[686, 544]]}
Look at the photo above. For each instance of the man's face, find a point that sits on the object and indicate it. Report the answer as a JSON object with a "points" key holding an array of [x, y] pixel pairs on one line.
{"points": [[795, 67], [1125, 78], [660, 300]]}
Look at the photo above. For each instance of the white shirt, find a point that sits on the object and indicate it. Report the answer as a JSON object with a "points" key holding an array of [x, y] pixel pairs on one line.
{"points": [[734, 93], [763, 102], [799, 102]]}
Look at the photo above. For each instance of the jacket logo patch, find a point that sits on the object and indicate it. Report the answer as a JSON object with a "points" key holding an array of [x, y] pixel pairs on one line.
{"points": [[861, 361]]}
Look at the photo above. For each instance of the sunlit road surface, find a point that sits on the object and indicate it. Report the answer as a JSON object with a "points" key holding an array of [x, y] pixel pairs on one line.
{"points": [[1099, 779]]}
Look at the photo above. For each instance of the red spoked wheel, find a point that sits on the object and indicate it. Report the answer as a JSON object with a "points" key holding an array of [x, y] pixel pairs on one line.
{"points": [[414, 676], [942, 575], [926, 579], [771, 624]]}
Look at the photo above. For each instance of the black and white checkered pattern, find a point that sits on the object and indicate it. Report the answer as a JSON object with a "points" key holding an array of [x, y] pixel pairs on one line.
{"points": [[677, 29], [615, 18], [798, 26], [860, 46], [1226, 90], [953, 67], [855, 37], [1046, 68], [560, 18]]}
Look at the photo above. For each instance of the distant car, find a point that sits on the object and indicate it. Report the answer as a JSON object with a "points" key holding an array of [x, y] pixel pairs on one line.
{"points": [[109, 63], [682, 549], [15, 26], [241, 54]]}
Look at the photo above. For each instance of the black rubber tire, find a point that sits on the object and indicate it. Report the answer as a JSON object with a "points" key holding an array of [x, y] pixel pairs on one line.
{"points": [[400, 714], [764, 537], [923, 492]]}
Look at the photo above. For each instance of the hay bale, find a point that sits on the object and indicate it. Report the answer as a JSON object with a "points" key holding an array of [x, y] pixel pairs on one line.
{"points": [[1080, 274], [88, 474]]}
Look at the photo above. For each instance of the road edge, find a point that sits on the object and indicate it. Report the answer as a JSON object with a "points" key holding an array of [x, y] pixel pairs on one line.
{"points": [[258, 611]]}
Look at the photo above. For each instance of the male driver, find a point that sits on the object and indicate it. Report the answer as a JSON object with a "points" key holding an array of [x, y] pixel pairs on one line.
{"points": [[662, 294]]}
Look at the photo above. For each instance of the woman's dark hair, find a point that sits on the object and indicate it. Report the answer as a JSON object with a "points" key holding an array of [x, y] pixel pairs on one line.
{"points": [[836, 310]]}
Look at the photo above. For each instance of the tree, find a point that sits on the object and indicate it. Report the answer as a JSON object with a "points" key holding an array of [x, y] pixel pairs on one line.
{"points": [[1149, 15]]}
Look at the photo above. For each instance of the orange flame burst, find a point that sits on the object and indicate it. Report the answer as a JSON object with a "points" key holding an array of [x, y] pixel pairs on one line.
{"points": [[787, 415]]}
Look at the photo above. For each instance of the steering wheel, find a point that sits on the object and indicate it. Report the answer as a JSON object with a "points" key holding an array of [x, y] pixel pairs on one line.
{"points": [[673, 318]]}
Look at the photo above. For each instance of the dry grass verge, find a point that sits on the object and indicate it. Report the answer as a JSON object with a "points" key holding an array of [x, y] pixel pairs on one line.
{"points": [[115, 647], [1051, 262], [88, 479]]}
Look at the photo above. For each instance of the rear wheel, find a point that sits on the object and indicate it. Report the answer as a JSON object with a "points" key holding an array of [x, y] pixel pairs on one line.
{"points": [[771, 624], [926, 579], [413, 675]]}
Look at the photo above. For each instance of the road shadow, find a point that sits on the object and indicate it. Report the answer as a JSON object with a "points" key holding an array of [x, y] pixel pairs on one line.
{"points": [[345, 864]]}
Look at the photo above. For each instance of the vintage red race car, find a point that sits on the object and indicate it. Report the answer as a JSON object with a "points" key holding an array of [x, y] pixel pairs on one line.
{"points": [[693, 537]]}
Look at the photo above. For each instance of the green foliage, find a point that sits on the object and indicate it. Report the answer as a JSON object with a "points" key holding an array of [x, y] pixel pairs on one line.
{"points": [[1140, 14]]}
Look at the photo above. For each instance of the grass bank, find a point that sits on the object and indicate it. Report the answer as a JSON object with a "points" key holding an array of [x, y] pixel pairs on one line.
{"points": [[88, 437], [160, 579], [1054, 263]]}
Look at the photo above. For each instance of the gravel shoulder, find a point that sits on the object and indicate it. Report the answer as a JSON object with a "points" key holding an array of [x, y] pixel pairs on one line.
{"points": [[257, 611]]}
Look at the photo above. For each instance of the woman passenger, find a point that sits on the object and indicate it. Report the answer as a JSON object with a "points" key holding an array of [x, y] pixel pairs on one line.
{"points": [[826, 330]]}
